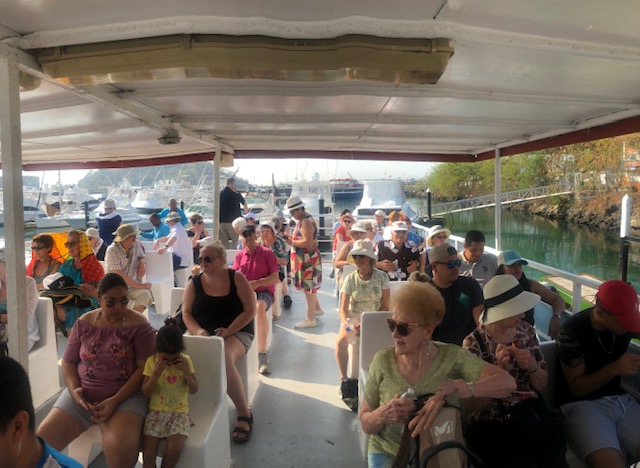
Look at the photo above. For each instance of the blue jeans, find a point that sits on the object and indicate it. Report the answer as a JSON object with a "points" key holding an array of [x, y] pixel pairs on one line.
{"points": [[380, 460]]}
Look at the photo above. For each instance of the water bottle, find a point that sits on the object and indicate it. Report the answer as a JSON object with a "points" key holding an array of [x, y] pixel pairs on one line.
{"points": [[409, 394], [350, 327]]}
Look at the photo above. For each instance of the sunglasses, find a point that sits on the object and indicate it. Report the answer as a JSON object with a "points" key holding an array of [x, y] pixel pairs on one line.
{"points": [[204, 260], [403, 328], [112, 301], [359, 257], [348, 221], [452, 264], [440, 236], [37, 247], [70, 244]]}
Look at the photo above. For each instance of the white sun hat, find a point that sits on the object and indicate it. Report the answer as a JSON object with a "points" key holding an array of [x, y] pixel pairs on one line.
{"points": [[504, 297]]}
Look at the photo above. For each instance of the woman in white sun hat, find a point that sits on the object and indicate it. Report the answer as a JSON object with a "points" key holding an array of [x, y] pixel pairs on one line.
{"points": [[519, 426]]}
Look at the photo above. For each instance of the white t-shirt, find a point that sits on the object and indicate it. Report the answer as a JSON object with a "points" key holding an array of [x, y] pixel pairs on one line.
{"points": [[181, 247]]}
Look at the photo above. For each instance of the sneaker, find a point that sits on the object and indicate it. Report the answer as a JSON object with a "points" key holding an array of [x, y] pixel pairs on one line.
{"points": [[332, 274], [287, 301], [349, 393], [263, 367], [318, 313], [306, 323]]}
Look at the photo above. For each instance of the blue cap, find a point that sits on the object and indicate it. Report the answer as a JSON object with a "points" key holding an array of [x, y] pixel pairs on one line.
{"points": [[509, 257]]}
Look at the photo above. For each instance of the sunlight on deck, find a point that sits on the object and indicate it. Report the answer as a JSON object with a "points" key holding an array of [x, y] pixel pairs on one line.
{"points": [[321, 392], [327, 339]]}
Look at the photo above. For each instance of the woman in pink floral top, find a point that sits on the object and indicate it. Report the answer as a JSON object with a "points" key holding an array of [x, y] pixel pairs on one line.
{"points": [[102, 368], [518, 427]]}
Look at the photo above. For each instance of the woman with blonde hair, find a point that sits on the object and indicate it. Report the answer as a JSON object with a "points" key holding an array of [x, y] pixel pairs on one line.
{"points": [[426, 366]]}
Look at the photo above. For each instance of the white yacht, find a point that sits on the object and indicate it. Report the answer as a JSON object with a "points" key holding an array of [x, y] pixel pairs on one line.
{"points": [[383, 194]]}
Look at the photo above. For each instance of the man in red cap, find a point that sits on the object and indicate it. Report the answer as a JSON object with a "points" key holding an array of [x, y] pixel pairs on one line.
{"points": [[601, 419]]}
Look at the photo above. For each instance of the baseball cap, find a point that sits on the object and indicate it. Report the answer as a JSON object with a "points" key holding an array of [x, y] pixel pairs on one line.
{"points": [[250, 215], [509, 257], [620, 299], [92, 232], [399, 226], [379, 213], [441, 251]]}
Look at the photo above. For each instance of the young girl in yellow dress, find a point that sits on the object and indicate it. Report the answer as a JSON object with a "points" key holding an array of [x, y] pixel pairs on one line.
{"points": [[169, 377]]}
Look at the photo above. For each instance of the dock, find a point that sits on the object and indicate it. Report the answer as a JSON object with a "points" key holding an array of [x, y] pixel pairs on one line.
{"points": [[565, 289]]}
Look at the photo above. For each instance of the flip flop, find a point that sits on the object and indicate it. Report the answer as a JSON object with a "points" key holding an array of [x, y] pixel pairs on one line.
{"points": [[245, 434]]}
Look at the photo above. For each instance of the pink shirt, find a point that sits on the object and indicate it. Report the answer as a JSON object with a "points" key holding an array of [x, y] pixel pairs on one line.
{"points": [[257, 265], [106, 357]]}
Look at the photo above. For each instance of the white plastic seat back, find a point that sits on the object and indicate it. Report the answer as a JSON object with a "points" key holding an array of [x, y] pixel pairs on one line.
{"points": [[231, 256], [347, 270], [43, 357], [176, 300], [374, 335], [182, 276], [395, 286], [160, 275]]}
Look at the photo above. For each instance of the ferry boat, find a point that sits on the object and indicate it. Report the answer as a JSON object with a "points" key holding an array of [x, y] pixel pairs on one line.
{"points": [[347, 188], [431, 81], [386, 195]]}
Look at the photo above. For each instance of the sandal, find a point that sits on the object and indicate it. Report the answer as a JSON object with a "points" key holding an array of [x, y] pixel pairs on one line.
{"points": [[239, 435], [61, 326]]}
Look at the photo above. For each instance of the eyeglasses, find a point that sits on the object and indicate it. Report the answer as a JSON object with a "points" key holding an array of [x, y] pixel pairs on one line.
{"points": [[200, 222], [441, 236], [204, 260], [37, 247], [403, 328], [111, 301], [70, 244], [359, 257], [452, 264]]}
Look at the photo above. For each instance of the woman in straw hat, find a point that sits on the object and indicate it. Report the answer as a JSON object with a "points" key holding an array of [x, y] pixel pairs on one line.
{"points": [[366, 289], [306, 262], [518, 427]]}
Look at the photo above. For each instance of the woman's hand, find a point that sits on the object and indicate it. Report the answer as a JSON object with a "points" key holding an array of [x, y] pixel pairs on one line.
{"points": [[78, 396], [428, 413], [398, 410], [221, 332], [503, 356], [90, 289], [523, 358], [103, 410], [202, 332]]}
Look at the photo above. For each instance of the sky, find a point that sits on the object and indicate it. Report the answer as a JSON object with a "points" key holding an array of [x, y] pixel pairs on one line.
{"points": [[258, 171]]}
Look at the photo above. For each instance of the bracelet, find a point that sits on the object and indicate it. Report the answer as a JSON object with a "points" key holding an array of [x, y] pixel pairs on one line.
{"points": [[471, 386], [555, 316]]}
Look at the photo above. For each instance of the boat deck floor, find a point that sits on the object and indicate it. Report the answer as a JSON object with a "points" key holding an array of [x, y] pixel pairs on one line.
{"points": [[299, 417]]}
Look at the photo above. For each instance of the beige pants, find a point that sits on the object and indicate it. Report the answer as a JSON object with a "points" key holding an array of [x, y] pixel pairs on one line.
{"points": [[139, 297], [227, 233]]}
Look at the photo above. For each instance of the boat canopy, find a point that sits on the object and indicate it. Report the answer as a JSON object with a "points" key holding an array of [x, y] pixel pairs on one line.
{"points": [[113, 84]]}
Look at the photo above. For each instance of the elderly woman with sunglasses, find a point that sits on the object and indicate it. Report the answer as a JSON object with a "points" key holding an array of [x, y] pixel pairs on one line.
{"points": [[426, 366], [102, 368], [366, 289], [220, 302], [519, 426]]}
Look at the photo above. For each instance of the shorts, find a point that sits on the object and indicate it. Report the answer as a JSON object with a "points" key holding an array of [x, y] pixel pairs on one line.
{"points": [[136, 403], [245, 338], [266, 296], [139, 297], [162, 424], [607, 422]]}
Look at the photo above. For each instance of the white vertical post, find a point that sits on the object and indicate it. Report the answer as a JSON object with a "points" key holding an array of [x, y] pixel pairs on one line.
{"points": [[217, 161], [10, 134], [625, 217], [498, 209]]}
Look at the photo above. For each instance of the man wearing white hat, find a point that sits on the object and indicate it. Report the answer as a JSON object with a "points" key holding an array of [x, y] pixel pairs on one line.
{"points": [[108, 221], [97, 244], [398, 256], [380, 223], [126, 257], [177, 242]]}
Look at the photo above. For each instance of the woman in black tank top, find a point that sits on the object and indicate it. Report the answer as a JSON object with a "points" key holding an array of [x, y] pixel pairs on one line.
{"points": [[220, 302]]}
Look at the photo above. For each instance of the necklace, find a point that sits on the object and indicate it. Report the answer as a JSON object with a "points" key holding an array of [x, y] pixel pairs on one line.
{"points": [[613, 343]]}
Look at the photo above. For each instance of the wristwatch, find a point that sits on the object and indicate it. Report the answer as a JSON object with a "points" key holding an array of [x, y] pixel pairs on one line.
{"points": [[556, 316]]}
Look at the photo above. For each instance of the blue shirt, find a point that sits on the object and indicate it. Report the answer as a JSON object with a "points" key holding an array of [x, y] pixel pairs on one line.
{"points": [[183, 217], [51, 458], [157, 233]]}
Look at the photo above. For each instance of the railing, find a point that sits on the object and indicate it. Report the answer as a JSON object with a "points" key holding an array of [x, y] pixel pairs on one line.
{"points": [[506, 198]]}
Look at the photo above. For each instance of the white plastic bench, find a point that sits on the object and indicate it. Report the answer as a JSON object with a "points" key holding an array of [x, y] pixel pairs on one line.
{"points": [[374, 335], [160, 275], [395, 286], [43, 357], [182, 276]]}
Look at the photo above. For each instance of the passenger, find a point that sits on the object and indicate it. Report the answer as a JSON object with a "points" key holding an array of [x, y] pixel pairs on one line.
{"points": [[388, 230], [97, 244], [230, 201], [520, 426], [412, 235], [238, 225], [127, 258], [169, 378], [373, 235], [177, 242], [221, 302], [437, 235], [476, 262], [108, 221], [380, 222], [420, 277], [196, 233], [20, 446], [338, 223], [341, 234], [173, 208], [102, 369], [283, 231], [260, 266], [45, 259], [160, 229], [398, 256], [33, 332], [251, 219], [511, 263], [84, 269], [425, 365], [462, 295], [270, 240], [357, 232], [306, 261], [366, 289], [600, 418]]}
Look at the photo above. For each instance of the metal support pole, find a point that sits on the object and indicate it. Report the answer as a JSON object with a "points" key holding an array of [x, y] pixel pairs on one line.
{"points": [[10, 134], [624, 259], [217, 161], [498, 209]]}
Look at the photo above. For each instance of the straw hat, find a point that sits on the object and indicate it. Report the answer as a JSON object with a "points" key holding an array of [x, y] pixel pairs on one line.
{"points": [[124, 231], [504, 297], [436, 230], [174, 216], [92, 232], [269, 224], [357, 227], [294, 203], [109, 203], [362, 247]]}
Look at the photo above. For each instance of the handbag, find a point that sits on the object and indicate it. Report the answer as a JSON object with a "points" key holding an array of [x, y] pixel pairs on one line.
{"points": [[178, 316]]}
